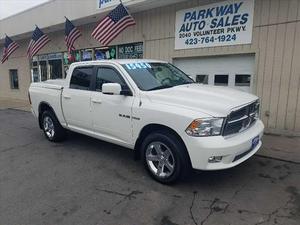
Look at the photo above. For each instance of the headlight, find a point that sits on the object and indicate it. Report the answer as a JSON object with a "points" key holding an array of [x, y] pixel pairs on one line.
{"points": [[256, 109], [205, 127]]}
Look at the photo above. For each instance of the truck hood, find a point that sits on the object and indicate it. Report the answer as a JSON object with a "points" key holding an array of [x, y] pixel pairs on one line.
{"points": [[211, 100]]}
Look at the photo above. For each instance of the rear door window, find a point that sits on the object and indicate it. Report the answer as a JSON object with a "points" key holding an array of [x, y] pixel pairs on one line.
{"points": [[81, 78]]}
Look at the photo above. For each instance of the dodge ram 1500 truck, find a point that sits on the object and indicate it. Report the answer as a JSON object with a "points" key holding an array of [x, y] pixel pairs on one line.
{"points": [[152, 107]]}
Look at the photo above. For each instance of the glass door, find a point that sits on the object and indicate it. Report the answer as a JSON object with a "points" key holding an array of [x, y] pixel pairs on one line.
{"points": [[43, 70], [55, 69], [35, 76]]}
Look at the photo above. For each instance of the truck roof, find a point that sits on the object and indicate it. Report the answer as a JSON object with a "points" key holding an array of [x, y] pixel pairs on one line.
{"points": [[117, 61]]}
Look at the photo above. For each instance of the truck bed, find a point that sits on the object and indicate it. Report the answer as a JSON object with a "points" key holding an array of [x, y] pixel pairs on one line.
{"points": [[50, 84], [50, 93]]}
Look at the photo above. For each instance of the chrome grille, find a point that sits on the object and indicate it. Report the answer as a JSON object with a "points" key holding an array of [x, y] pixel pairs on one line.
{"points": [[241, 119]]}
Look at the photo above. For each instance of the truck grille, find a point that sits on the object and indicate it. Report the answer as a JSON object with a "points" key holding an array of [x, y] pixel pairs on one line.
{"points": [[241, 119]]}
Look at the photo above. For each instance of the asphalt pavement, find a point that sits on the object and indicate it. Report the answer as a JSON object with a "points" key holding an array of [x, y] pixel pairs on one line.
{"points": [[84, 181]]}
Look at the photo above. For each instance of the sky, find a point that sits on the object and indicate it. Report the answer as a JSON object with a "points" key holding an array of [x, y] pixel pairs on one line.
{"points": [[11, 7]]}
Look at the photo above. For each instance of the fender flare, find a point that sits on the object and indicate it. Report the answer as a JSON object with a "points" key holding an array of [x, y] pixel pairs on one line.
{"points": [[47, 105]]}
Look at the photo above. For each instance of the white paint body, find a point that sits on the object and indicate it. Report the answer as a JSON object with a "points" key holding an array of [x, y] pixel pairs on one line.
{"points": [[98, 115]]}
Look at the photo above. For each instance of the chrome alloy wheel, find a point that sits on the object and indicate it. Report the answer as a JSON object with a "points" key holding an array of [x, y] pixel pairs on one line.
{"points": [[160, 159], [49, 127]]}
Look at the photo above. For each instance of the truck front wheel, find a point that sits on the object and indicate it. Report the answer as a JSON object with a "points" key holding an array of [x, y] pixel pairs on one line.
{"points": [[52, 128], [165, 157]]}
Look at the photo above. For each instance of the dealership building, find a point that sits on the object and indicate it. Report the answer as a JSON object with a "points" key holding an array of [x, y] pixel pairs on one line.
{"points": [[252, 45]]}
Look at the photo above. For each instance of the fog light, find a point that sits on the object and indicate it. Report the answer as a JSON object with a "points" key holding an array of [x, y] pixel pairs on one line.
{"points": [[215, 159]]}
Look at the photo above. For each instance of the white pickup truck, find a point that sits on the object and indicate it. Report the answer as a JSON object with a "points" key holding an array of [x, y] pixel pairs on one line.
{"points": [[150, 106]]}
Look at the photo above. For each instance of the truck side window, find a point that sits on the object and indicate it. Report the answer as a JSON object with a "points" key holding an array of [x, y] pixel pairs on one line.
{"points": [[108, 75], [81, 78]]}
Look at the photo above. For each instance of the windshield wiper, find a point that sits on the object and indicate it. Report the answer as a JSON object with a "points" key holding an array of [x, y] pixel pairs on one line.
{"points": [[184, 83], [160, 87]]}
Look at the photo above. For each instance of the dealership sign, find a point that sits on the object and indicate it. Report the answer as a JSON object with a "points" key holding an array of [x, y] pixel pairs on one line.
{"points": [[107, 3], [131, 51], [218, 24]]}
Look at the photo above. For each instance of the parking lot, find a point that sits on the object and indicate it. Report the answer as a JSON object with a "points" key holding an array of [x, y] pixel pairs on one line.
{"points": [[90, 182]]}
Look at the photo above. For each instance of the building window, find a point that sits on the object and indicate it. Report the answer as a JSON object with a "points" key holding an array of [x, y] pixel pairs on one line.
{"points": [[35, 75], [202, 79], [56, 65], [14, 80], [87, 55], [44, 70], [106, 53], [242, 80], [221, 80]]}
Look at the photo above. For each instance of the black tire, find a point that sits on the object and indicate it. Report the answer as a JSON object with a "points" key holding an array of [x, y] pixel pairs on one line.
{"points": [[59, 133], [179, 153]]}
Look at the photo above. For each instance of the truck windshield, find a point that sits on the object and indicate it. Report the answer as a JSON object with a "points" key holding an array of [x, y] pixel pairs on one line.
{"points": [[154, 76]]}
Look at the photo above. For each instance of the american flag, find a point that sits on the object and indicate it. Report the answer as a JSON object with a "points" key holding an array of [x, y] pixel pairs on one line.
{"points": [[71, 35], [37, 42], [9, 47], [112, 25]]}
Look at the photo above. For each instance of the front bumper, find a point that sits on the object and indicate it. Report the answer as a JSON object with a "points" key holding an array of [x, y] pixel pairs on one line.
{"points": [[233, 149]]}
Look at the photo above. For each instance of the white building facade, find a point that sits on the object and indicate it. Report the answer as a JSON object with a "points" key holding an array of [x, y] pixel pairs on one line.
{"points": [[252, 45]]}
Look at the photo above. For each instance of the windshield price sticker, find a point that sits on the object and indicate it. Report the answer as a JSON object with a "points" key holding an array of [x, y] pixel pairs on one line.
{"points": [[218, 24], [134, 66]]}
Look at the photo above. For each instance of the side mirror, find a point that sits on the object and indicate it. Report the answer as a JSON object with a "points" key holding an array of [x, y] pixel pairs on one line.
{"points": [[111, 89]]}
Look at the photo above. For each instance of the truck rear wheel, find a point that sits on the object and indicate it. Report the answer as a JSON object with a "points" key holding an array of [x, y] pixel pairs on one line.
{"points": [[165, 157], [52, 129]]}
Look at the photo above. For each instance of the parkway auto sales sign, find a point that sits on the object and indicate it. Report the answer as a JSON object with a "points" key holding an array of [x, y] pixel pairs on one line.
{"points": [[107, 3], [218, 24]]}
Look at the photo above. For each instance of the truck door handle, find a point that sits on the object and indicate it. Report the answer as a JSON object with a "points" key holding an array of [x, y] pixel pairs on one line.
{"points": [[96, 101], [67, 97]]}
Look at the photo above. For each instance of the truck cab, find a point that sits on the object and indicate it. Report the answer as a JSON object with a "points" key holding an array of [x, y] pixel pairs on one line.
{"points": [[152, 107]]}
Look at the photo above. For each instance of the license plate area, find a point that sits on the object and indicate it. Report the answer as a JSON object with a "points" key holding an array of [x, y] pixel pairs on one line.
{"points": [[255, 142]]}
